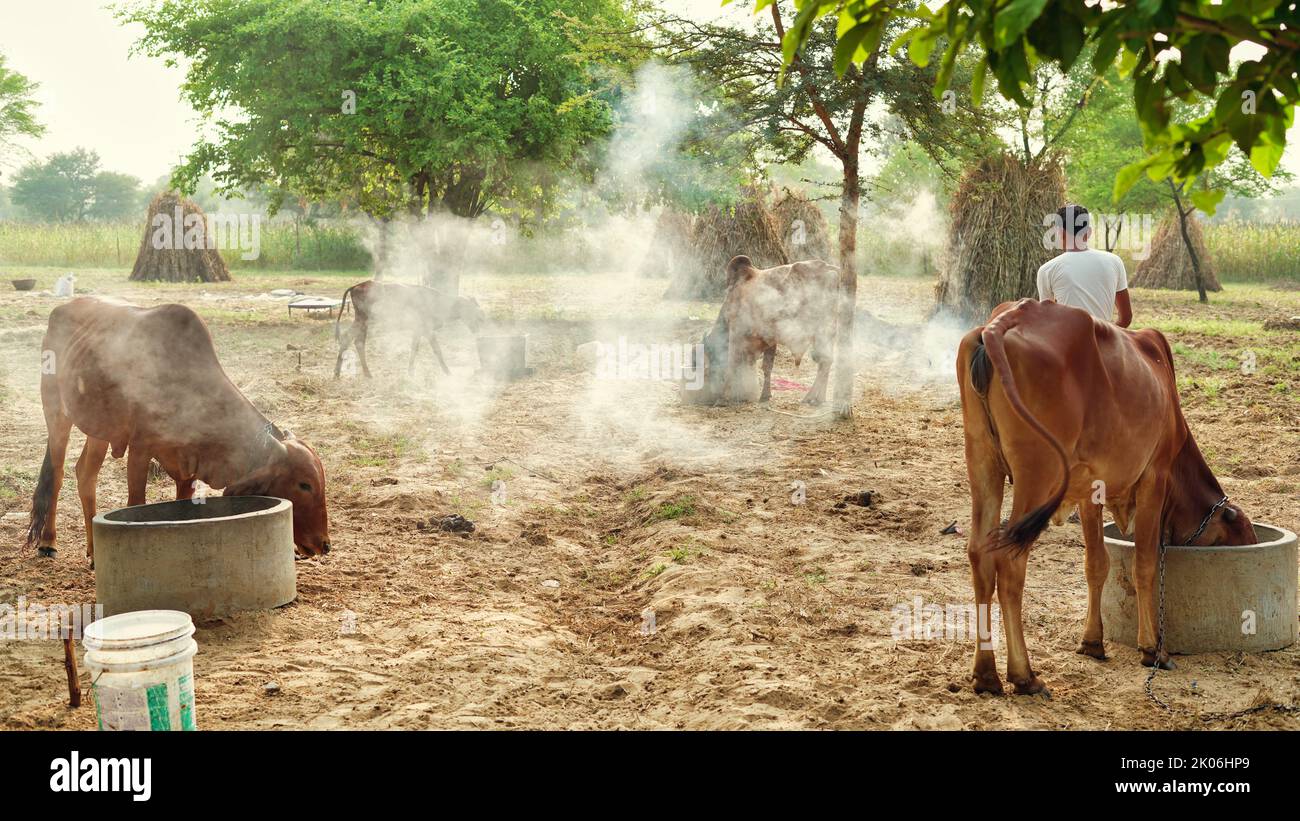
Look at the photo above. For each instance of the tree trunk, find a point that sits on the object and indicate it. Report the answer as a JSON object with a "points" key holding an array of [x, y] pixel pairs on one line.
{"points": [[842, 401], [1187, 243]]}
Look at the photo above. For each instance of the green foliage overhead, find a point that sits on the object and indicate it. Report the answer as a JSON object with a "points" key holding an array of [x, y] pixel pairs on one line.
{"points": [[1173, 52], [396, 105]]}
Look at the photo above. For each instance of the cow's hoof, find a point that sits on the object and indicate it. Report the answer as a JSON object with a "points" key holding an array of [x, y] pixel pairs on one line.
{"points": [[1164, 662], [1033, 687], [987, 683], [1095, 649], [45, 552]]}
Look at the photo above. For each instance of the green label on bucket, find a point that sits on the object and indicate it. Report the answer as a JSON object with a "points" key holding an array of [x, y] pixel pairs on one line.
{"points": [[186, 684], [160, 717]]}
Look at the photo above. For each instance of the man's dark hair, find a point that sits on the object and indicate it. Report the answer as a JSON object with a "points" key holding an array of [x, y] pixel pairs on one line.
{"points": [[1073, 219]]}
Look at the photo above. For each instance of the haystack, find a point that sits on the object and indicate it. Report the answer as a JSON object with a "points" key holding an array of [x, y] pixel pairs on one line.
{"points": [[178, 245], [670, 244], [995, 239], [719, 234], [1169, 266], [803, 227]]}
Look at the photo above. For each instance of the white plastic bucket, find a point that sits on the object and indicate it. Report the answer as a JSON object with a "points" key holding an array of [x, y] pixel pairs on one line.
{"points": [[142, 670]]}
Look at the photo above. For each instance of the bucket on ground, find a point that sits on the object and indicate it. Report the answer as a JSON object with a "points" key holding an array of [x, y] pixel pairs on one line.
{"points": [[142, 670]]}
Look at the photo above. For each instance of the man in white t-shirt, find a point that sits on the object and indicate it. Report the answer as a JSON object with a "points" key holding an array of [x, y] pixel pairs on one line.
{"points": [[1084, 277]]}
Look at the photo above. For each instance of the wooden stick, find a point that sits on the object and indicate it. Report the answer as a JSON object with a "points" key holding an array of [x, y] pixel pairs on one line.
{"points": [[70, 665]]}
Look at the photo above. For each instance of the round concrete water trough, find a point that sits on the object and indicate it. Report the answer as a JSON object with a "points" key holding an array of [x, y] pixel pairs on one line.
{"points": [[1208, 591], [208, 558]]}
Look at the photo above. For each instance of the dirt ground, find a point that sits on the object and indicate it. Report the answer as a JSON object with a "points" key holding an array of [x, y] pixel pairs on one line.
{"points": [[619, 506]]}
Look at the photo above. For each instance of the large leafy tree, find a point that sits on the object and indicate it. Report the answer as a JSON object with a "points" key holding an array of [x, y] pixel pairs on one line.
{"points": [[69, 187], [61, 189], [17, 109], [414, 106], [1190, 101], [115, 196]]}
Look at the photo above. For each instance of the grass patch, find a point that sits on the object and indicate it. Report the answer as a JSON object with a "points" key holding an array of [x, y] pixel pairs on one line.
{"points": [[378, 451], [1232, 328], [676, 509], [490, 477]]}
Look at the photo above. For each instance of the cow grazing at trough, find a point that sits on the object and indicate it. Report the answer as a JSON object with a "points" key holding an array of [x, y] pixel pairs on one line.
{"points": [[791, 305], [422, 311], [146, 382], [1074, 410]]}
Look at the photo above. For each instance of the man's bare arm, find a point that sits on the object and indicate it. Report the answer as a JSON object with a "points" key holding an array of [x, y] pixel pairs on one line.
{"points": [[1125, 309]]}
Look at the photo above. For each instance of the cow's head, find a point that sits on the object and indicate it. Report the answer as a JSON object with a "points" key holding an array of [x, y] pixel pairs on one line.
{"points": [[293, 472], [1227, 525], [468, 311]]}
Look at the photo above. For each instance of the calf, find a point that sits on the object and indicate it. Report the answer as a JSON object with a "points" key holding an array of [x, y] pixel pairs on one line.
{"points": [[791, 305], [420, 310]]}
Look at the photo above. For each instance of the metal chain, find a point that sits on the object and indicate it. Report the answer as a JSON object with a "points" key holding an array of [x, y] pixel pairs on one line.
{"points": [[1160, 627], [1160, 640]]}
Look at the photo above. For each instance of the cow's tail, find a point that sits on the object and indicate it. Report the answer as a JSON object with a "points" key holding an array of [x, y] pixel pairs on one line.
{"points": [[1020, 534], [42, 500], [343, 306]]}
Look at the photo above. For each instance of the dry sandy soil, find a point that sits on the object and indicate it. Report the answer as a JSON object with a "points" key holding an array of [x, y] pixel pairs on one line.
{"points": [[766, 613]]}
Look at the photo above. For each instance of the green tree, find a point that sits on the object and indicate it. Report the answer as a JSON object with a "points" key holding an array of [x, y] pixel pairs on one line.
{"points": [[1174, 52], [114, 196], [61, 189], [413, 106], [17, 109]]}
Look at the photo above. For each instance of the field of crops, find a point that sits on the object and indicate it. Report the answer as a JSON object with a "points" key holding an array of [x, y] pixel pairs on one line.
{"points": [[283, 245], [1255, 251], [1243, 251]]}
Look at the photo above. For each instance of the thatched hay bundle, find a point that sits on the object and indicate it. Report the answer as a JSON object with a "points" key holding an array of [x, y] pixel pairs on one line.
{"points": [[1169, 265], [178, 244], [803, 227], [995, 239], [670, 244], [719, 234]]}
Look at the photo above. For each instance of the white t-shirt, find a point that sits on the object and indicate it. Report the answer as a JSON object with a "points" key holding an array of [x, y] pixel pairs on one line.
{"points": [[1087, 279]]}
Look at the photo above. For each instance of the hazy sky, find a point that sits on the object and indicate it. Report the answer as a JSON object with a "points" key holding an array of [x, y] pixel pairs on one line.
{"points": [[92, 93], [128, 108]]}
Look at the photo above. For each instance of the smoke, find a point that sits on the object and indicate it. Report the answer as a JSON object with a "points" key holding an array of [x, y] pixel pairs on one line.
{"points": [[603, 232], [905, 345]]}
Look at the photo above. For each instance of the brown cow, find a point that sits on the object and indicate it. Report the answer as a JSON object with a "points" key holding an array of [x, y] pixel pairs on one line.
{"points": [[420, 310], [146, 382], [791, 305], [1104, 402]]}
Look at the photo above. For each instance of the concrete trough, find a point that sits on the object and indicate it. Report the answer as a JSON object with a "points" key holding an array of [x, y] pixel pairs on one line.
{"points": [[1214, 596], [209, 558]]}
